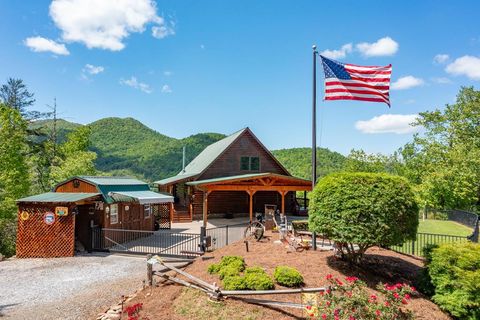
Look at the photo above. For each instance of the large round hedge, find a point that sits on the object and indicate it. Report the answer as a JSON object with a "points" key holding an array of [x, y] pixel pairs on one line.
{"points": [[365, 209]]}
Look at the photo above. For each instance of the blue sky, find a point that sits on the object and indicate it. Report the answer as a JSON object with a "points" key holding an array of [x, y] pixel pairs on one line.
{"points": [[183, 67]]}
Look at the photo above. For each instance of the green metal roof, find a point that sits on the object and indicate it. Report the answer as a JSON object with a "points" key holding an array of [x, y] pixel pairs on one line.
{"points": [[111, 181], [245, 177], [176, 178], [58, 197], [142, 197]]}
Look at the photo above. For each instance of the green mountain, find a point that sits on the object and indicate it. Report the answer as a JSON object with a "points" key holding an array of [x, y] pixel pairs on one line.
{"points": [[125, 146], [299, 161]]}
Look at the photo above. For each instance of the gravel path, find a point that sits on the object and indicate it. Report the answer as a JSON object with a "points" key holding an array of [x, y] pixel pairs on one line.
{"points": [[67, 288]]}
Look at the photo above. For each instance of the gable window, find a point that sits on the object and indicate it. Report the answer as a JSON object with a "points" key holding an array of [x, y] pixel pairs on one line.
{"points": [[114, 213], [147, 211], [250, 163]]}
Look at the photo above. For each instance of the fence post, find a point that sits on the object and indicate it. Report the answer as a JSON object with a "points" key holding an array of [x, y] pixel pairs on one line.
{"points": [[413, 247], [226, 237], [203, 234], [149, 271], [92, 237], [314, 240]]}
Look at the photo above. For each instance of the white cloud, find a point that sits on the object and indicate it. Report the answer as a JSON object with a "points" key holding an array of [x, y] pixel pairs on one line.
{"points": [[466, 65], [407, 83], [40, 44], [163, 31], [167, 73], [441, 80], [91, 69], [382, 47], [388, 123], [134, 83], [103, 24], [441, 58], [338, 54], [166, 89]]}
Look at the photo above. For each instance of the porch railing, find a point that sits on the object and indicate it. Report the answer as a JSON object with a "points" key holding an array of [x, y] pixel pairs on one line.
{"points": [[224, 235]]}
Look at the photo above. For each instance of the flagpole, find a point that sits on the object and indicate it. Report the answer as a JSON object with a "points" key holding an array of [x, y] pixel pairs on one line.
{"points": [[314, 118]]}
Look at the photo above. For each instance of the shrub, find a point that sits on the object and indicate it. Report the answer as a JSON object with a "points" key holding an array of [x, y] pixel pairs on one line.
{"points": [[8, 236], [255, 270], [349, 299], [230, 262], [258, 281], [366, 209], [234, 283], [454, 270], [229, 270], [287, 276]]}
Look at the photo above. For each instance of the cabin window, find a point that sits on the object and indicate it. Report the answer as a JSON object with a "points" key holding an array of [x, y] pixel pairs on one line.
{"points": [[114, 213], [254, 163], [147, 211], [250, 163]]}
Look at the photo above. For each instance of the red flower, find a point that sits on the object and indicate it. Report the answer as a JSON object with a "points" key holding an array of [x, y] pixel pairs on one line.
{"points": [[308, 307], [378, 312], [340, 283], [387, 303], [396, 295], [351, 279], [351, 318], [404, 301], [336, 317], [329, 276], [335, 312], [373, 297], [328, 291], [324, 316], [407, 296]]}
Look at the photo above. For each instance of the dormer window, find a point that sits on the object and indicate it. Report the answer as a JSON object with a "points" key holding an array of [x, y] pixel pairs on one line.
{"points": [[250, 163]]}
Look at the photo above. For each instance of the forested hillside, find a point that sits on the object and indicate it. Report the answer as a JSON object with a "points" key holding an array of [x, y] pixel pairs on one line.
{"points": [[298, 161], [128, 147]]}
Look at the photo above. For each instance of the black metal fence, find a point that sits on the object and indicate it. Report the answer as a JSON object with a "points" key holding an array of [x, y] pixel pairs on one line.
{"points": [[224, 235], [416, 246], [162, 242]]}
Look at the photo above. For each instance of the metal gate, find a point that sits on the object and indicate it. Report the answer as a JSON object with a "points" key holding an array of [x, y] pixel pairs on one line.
{"points": [[161, 242]]}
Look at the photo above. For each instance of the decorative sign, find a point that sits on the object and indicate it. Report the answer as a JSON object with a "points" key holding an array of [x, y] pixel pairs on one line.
{"points": [[61, 211], [24, 215], [98, 205], [127, 208], [49, 218], [107, 209]]}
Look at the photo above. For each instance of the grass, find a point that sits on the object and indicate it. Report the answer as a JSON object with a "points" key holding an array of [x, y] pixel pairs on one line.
{"points": [[194, 304], [444, 227], [435, 227]]}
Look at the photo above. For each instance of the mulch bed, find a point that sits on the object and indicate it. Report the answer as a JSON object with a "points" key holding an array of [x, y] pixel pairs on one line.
{"points": [[380, 265]]}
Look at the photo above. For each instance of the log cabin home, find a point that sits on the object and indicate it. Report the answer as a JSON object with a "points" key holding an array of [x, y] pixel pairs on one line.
{"points": [[232, 177], [53, 223]]}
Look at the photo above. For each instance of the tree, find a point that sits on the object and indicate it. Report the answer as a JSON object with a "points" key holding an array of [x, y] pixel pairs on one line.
{"points": [[74, 157], [15, 95], [360, 161], [364, 209], [444, 161], [14, 178]]}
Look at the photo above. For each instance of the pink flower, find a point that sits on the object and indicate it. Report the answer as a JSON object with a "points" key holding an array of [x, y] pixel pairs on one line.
{"points": [[351, 318]]}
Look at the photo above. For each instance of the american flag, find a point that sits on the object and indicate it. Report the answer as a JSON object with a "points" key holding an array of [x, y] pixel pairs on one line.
{"points": [[345, 81]]}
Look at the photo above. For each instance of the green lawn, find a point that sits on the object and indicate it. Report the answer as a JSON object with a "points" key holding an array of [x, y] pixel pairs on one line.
{"points": [[443, 227], [437, 232]]}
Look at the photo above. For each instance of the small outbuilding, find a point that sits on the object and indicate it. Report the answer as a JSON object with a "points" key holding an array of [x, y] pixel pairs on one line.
{"points": [[52, 224]]}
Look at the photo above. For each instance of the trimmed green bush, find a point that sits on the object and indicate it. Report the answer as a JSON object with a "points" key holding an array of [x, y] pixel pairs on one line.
{"points": [[454, 270], [229, 270], [234, 283], [288, 276], [255, 270], [230, 262], [258, 281], [365, 209]]}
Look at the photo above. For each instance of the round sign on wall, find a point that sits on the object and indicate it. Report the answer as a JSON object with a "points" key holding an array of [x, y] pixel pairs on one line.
{"points": [[49, 218], [24, 215]]}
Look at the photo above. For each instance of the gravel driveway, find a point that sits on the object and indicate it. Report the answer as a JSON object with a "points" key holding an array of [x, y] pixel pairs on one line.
{"points": [[67, 288]]}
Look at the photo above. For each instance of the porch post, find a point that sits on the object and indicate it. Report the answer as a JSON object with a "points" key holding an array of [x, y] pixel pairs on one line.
{"points": [[205, 208], [283, 201], [250, 193], [170, 211]]}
